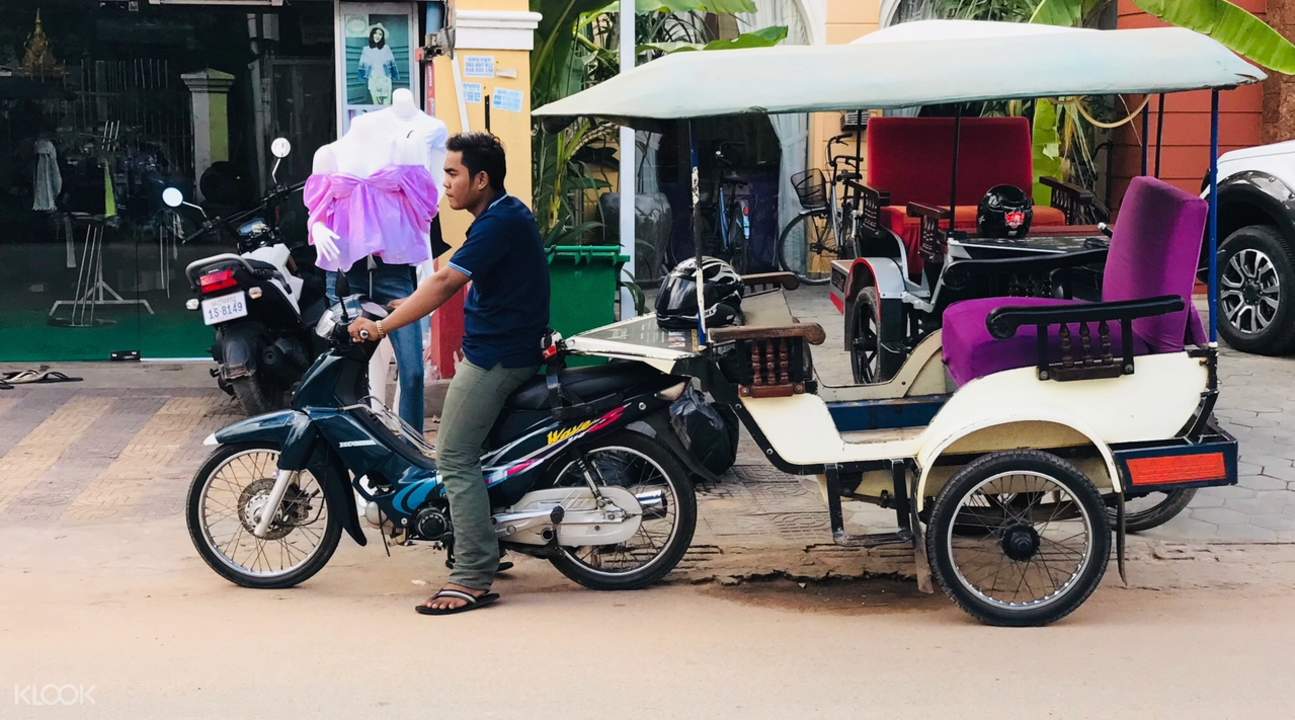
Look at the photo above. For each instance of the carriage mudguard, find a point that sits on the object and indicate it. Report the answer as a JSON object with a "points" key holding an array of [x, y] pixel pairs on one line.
{"points": [[883, 273], [937, 449]]}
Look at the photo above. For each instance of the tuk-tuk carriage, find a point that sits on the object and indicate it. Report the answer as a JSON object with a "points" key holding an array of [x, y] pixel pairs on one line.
{"points": [[1001, 439]]}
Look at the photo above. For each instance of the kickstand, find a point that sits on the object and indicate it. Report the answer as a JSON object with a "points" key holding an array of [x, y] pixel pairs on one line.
{"points": [[383, 533]]}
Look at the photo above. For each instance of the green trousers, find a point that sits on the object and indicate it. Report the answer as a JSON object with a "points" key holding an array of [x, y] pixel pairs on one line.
{"points": [[472, 405]]}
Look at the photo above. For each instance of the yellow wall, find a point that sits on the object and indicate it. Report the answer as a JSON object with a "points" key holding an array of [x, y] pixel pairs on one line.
{"points": [[846, 21], [514, 129]]}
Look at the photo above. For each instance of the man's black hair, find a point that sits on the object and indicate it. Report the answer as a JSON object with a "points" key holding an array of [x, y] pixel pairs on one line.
{"points": [[482, 152]]}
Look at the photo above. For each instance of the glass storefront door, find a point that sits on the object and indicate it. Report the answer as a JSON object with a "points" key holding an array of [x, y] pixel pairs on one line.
{"points": [[118, 101]]}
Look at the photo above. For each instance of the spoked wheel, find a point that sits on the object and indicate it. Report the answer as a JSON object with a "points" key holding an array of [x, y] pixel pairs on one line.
{"points": [[1019, 538], [807, 247], [638, 464], [1151, 510], [737, 251], [225, 503]]}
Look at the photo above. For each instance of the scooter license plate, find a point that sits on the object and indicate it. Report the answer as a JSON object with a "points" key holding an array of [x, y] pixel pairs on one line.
{"points": [[225, 307]]}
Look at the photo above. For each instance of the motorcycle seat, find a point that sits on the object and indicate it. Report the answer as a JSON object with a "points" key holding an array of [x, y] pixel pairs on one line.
{"points": [[583, 384], [266, 269]]}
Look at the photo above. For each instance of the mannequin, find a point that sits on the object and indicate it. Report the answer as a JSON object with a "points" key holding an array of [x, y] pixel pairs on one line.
{"points": [[392, 160]]}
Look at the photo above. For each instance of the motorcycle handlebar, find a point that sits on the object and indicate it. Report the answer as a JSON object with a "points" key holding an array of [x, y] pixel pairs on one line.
{"points": [[273, 197]]}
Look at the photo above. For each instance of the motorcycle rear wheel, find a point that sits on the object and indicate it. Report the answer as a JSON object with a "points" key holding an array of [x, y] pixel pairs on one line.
{"points": [[254, 397], [638, 463]]}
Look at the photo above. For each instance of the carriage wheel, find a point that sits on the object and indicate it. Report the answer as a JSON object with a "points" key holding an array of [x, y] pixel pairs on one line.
{"points": [[1042, 545], [872, 350]]}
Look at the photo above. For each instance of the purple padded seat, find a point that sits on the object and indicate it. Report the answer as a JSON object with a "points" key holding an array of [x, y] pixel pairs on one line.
{"points": [[1154, 252]]}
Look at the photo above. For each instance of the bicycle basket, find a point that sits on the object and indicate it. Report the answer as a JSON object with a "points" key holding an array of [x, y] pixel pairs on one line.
{"points": [[811, 188]]}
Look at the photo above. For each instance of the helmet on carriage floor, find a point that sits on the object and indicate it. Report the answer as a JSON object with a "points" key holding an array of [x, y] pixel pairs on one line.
{"points": [[1004, 212], [676, 302]]}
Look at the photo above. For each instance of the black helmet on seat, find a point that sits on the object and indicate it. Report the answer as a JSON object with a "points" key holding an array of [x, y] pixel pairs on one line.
{"points": [[1004, 212], [676, 303]]}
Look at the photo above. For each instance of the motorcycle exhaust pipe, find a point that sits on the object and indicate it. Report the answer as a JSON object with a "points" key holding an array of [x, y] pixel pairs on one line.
{"points": [[653, 504]]}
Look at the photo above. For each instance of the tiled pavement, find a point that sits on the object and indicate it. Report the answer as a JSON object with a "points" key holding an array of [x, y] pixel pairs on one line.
{"points": [[125, 448]]}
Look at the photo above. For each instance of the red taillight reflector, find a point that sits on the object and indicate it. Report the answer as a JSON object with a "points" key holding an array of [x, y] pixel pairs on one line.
{"points": [[1170, 469], [217, 280]]}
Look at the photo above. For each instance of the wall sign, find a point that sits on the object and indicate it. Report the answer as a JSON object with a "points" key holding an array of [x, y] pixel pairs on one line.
{"points": [[374, 56], [472, 93], [479, 66], [507, 100]]}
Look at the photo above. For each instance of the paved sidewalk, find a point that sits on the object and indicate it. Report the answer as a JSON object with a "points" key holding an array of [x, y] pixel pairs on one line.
{"points": [[124, 444]]}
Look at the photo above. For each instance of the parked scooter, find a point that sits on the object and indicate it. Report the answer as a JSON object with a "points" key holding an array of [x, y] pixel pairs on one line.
{"points": [[582, 468], [258, 300]]}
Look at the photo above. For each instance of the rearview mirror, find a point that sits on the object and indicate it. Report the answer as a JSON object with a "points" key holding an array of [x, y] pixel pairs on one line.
{"points": [[280, 148], [172, 197]]}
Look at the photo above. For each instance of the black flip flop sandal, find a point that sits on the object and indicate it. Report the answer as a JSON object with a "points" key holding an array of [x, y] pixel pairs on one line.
{"points": [[473, 602]]}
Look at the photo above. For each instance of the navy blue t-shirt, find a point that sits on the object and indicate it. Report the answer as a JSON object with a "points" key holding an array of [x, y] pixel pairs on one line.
{"points": [[508, 306]]}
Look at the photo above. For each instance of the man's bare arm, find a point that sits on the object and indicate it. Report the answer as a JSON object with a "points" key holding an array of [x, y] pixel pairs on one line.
{"points": [[431, 294]]}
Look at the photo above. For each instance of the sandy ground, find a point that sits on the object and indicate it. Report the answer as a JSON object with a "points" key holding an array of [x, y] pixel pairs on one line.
{"points": [[128, 613]]}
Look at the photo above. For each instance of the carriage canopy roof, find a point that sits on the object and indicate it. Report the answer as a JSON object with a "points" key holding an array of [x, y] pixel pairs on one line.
{"points": [[918, 63]]}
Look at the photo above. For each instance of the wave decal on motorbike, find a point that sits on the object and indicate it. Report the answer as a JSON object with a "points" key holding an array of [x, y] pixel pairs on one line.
{"points": [[494, 475]]}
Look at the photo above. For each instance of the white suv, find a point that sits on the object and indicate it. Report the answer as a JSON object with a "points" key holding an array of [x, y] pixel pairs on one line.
{"points": [[1257, 248]]}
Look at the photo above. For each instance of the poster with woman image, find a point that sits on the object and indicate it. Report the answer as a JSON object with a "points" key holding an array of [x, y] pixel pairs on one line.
{"points": [[377, 56]]}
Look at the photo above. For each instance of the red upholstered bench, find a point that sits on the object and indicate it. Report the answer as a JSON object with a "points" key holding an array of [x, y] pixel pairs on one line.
{"points": [[910, 160]]}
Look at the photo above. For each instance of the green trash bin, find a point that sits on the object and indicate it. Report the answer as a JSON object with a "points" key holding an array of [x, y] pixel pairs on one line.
{"points": [[584, 286]]}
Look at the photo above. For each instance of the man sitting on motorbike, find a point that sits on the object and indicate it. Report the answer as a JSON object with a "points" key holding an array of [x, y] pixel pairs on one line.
{"points": [[506, 314]]}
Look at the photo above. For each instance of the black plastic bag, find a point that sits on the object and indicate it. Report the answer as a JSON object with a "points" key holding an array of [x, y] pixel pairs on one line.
{"points": [[707, 430]]}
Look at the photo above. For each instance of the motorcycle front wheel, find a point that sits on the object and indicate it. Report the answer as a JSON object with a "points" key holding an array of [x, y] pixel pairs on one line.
{"points": [[224, 504], [639, 464]]}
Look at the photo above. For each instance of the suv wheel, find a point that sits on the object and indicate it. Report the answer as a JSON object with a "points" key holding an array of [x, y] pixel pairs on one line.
{"points": [[1257, 291]]}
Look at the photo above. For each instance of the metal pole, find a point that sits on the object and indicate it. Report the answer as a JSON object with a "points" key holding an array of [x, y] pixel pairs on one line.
{"points": [[694, 197], [953, 186], [627, 159], [1214, 216], [1160, 129], [1146, 138]]}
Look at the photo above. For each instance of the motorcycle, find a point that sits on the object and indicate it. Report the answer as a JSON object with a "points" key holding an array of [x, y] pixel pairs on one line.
{"points": [[261, 302], [582, 468]]}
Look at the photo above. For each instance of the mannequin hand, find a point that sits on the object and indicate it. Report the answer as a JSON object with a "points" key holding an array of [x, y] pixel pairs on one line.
{"points": [[325, 242]]}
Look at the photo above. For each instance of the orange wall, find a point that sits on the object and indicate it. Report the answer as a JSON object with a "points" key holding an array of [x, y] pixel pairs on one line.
{"points": [[1185, 153], [846, 21]]}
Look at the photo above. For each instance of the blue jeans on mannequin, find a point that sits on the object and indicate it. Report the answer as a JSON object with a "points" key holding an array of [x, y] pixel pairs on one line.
{"points": [[384, 283]]}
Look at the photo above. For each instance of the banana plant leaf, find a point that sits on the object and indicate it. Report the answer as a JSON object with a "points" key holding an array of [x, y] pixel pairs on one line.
{"points": [[1047, 149], [764, 37], [1233, 26], [683, 6], [1066, 13]]}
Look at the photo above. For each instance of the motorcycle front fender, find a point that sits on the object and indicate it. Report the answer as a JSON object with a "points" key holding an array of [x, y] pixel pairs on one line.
{"points": [[272, 427]]}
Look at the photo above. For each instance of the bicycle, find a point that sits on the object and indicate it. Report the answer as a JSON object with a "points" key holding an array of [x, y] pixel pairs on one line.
{"points": [[732, 213], [825, 228]]}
